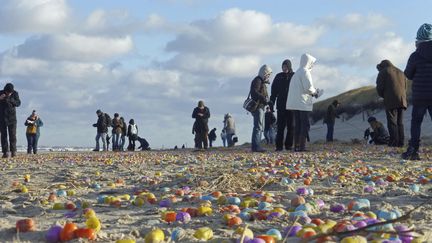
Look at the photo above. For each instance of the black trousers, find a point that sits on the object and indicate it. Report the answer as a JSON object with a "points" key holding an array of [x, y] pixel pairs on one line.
{"points": [[201, 138], [301, 124], [285, 120], [395, 126], [6, 130]]}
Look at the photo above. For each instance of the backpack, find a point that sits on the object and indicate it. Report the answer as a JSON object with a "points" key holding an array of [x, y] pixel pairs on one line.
{"points": [[108, 120]]}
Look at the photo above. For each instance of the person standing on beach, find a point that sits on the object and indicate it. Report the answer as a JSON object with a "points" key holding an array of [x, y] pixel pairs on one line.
{"points": [[33, 124], [201, 114], [223, 137], [132, 134], [391, 84], [123, 134], [419, 70], [285, 118], [330, 119], [258, 92], [300, 100], [9, 100], [102, 130], [116, 132], [230, 129]]}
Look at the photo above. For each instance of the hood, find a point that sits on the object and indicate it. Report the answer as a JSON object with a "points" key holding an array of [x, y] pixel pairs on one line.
{"points": [[306, 61], [424, 49], [265, 72], [384, 64]]}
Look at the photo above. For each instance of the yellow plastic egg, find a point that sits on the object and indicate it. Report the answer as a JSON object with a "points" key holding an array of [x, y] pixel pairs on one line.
{"points": [[204, 234], [24, 189], [126, 241], [247, 232], [139, 202], [90, 213], [155, 236], [354, 239], [204, 211], [93, 223]]}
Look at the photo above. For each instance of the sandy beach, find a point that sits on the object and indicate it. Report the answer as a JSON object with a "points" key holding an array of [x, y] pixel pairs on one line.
{"points": [[110, 183]]}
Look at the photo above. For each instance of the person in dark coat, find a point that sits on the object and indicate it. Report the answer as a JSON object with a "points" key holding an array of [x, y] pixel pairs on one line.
{"points": [[212, 137], [117, 128], [132, 133], [285, 118], [269, 122], [258, 92], [102, 130], [391, 84], [330, 119], [379, 136], [419, 70], [9, 100], [123, 134], [201, 114]]}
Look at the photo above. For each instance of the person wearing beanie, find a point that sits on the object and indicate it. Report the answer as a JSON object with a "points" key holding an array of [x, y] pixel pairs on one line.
{"points": [[330, 119], [285, 118], [102, 130], [300, 100], [258, 92], [33, 124], [9, 100], [201, 114], [391, 84], [419, 70]]}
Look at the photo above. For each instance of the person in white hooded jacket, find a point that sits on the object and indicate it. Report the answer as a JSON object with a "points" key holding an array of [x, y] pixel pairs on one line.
{"points": [[300, 97]]}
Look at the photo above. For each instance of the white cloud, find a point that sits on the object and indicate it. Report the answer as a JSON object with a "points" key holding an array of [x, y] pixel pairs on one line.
{"points": [[235, 31], [45, 16], [74, 47], [355, 22]]}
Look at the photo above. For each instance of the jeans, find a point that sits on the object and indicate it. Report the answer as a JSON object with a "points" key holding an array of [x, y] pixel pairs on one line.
{"points": [[395, 126], [11, 130], [31, 143], [103, 136], [418, 112], [224, 140], [330, 131], [122, 141], [269, 135], [285, 119], [115, 141], [258, 121]]}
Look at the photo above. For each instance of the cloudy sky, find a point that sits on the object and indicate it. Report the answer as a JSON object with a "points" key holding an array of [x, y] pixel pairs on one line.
{"points": [[152, 60]]}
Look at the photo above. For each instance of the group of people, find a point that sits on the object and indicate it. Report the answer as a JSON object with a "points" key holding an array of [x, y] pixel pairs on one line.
{"points": [[204, 138], [119, 132], [293, 94]]}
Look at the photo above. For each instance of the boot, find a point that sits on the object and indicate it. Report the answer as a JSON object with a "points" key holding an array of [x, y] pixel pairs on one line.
{"points": [[411, 154]]}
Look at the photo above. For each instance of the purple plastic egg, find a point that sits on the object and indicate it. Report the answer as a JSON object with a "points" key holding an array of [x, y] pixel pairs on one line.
{"points": [[320, 203], [360, 224], [368, 189], [274, 215], [337, 208], [302, 191], [245, 240], [350, 227], [53, 234], [401, 229], [166, 203], [292, 230], [183, 217], [256, 240]]}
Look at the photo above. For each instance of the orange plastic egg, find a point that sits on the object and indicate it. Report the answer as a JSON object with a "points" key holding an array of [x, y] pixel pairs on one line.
{"points": [[267, 238], [25, 225], [234, 221], [68, 232], [85, 233], [170, 217]]}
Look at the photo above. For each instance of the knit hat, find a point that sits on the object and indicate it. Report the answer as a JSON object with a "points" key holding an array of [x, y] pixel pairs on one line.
{"points": [[98, 112], [424, 33], [9, 88], [371, 119]]}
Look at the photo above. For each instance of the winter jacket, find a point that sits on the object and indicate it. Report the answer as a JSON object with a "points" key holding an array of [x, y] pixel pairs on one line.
{"points": [[419, 70], [279, 89], [380, 133], [101, 124], [201, 122], [212, 135], [38, 123], [7, 108], [269, 120], [258, 91], [391, 85], [117, 125], [229, 125], [331, 114], [301, 88]]}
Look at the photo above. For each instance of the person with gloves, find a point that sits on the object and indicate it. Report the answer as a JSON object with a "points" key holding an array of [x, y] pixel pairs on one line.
{"points": [[300, 100]]}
